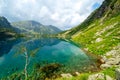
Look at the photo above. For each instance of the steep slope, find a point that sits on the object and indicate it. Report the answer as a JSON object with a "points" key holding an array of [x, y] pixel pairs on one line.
{"points": [[53, 29], [6, 30], [35, 27], [4, 23], [108, 9], [100, 32], [99, 38]]}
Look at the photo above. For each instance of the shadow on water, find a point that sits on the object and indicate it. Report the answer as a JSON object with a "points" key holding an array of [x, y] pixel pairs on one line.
{"points": [[7, 41]]}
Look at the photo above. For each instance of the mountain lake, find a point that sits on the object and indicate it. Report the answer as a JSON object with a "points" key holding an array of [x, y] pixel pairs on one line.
{"points": [[46, 50]]}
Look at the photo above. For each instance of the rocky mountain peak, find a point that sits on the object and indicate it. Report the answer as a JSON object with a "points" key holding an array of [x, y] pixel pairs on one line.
{"points": [[4, 22]]}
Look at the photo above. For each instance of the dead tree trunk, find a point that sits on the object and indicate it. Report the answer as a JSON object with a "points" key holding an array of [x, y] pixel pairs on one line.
{"points": [[26, 65]]}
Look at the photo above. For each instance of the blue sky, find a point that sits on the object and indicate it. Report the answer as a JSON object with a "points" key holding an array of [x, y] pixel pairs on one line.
{"points": [[64, 14]]}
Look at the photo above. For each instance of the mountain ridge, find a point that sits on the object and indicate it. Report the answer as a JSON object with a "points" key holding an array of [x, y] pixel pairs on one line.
{"points": [[6, 30], [35, 27], [108, 9]]}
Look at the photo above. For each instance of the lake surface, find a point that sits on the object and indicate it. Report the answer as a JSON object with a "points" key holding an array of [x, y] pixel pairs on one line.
{"points": [[50, 50]]}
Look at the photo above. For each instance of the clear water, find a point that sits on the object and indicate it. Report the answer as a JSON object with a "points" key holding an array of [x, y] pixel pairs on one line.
{"points": [[47, 50]]}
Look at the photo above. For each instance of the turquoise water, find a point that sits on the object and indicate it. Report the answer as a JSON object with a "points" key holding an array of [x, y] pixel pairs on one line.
{"points": [[45, 50]]}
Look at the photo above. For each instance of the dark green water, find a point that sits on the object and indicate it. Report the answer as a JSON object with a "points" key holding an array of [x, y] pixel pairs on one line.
{"points": [[48, 50]]}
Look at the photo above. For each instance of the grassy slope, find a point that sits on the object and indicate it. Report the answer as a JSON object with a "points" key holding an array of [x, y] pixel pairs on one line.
{"points": [[108, 31], [98, 35], [109, 8], [100, 32]]}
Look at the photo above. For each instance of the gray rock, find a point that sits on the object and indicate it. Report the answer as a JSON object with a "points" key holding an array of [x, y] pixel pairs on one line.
{"points": [[77, 73], [103, 66], [98, 40], [100, 76], [67, 75], [113, 61], [111, 58], [117, 71], [111, 53], [104, 58]]}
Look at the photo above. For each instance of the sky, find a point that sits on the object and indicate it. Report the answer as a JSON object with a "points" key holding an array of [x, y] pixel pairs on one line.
{"points": [[63, 14]]}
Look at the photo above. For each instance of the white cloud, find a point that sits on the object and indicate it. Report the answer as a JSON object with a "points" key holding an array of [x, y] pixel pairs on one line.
{"points": [[44, 11], [61, 13], [77, 19], [2, 5], [55, 16]]}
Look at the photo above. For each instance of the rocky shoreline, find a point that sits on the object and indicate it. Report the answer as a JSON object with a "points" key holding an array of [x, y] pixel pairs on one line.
{"points": [[108, 60], [111, 58]]}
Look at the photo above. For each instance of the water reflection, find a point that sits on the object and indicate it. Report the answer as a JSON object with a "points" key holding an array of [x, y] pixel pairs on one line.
{"points": [[7, 44], [50, 50]]}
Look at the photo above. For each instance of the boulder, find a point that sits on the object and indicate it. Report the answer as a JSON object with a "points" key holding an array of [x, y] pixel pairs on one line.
{"points": [[67, 75], [111, 53], [103, 66], [77, 73], [103, 59], [98, 40], [117, 72], [113, 61], [99, 76]]}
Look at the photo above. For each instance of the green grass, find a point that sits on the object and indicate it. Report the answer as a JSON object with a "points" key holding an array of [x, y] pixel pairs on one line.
{"points": [[84, 76], [87, 38], [109, 71]]}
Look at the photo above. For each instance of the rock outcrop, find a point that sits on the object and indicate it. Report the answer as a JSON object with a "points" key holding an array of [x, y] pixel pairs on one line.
{"points": [[99, 76], [67, 75], [117, 71], [111, 58]]}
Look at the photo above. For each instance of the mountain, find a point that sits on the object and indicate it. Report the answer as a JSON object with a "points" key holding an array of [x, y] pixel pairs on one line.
{"points": [[4, 23], [6, 30], [100, 32], [109, 8], [7, 36], [35, 27]]}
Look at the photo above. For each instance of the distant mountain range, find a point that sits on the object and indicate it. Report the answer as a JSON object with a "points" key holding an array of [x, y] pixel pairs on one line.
{"points": [[35, 27], [8, 30]]}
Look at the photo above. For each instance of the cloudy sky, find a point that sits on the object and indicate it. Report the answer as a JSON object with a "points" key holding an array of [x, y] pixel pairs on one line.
{"points": [[64, 14]]}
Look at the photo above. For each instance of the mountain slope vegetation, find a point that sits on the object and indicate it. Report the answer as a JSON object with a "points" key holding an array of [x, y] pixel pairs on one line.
{"points": [[100, 32]]}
